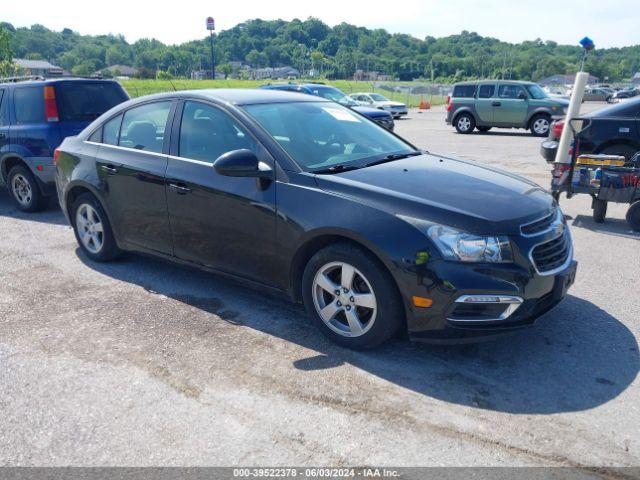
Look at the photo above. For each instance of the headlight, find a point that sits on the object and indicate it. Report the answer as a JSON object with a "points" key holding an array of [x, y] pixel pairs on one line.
{"points": [[465, 247]]}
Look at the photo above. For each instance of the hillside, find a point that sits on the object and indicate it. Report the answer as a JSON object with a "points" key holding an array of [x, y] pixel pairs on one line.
{"points": [[336, 52]]}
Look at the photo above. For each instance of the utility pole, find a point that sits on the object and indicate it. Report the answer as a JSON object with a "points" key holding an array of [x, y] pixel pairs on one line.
{"points": [[211, 26]]}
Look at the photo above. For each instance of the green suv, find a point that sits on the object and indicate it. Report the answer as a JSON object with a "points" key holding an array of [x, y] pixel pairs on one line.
{"points": [[504, 104]]}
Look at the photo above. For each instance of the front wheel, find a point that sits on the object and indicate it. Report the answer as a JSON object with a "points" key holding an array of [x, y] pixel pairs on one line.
{"points": [[350, 297], [93, 230], [540, 125], [24, 190], [465, 123], [599, 210]]}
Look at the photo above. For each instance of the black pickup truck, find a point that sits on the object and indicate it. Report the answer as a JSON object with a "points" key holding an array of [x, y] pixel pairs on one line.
{"points": [[613, 130]]}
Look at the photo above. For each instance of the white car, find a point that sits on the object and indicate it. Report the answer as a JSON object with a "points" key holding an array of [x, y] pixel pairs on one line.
{"points": [[376, 100]]}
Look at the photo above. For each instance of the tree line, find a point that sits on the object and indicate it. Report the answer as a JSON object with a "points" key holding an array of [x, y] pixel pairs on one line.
{"points": [[311, 45]]}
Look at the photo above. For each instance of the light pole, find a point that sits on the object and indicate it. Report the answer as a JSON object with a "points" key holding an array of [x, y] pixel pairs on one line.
{"points": [[211, 26]]}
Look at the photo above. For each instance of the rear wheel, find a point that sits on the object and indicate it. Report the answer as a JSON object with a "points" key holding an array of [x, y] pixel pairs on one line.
{"points": [[350, 297], [465, 123], [599, 210], [633, 216], [93, 230], [540, 125], [24, 190]]}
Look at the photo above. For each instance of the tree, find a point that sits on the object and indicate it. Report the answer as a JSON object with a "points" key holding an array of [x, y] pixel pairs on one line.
{"points": [[6, 57]]}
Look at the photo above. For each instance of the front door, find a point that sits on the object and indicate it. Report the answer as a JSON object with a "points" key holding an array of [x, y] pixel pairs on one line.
{"points": [[226, 223], [132, 166], [484, 103], [511, 106]]}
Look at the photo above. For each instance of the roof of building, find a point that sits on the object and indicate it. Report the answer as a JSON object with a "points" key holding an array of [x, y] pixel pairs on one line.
{"points": [[34, 64], [123, 69]]}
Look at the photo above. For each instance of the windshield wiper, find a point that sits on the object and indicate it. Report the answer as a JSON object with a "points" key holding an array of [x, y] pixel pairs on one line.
{"points": [[341, 167], [393, 157]]}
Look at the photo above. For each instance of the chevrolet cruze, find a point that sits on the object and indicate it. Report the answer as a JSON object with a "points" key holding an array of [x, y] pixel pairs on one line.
{"points": [[304, 196]]}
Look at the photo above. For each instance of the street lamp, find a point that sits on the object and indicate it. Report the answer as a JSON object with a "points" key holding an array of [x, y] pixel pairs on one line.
{"points": [[588, 45], [211, 26]]}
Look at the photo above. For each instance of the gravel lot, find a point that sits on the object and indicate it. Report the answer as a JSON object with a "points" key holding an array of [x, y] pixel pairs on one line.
{"points": [[142, 362]]}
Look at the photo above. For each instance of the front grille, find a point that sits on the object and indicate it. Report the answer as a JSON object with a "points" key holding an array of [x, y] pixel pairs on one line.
{"points": [[551, 255], [478, 311], [539, 226]]}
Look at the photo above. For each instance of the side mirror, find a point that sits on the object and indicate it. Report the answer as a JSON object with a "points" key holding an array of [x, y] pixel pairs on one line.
{"points": [[242, 163]]}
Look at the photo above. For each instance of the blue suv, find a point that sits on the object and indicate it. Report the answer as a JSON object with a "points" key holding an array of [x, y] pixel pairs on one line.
{"points": [[381, 117], [35, 116]]}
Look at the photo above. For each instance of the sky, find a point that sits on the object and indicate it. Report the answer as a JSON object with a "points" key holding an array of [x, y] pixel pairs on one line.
{"points": [[614, 24]]}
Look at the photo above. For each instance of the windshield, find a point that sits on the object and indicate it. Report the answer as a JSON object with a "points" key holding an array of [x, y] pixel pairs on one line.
{"points": [[334, 95], [319, 135], [379, 98], [536, 92]]}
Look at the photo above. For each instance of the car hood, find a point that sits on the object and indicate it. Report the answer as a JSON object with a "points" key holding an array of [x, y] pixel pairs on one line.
{"points": [[447, 191], [561, 102], [372, 112]]}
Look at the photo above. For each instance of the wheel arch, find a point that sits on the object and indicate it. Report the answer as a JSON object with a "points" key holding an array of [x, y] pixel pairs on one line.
{"points": [[9, 161], [74, 190], [535, 113], [462, 110]]}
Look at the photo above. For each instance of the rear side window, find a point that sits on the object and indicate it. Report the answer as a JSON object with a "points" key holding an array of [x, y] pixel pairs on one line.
{"points": [[29, 105], [143, 127], [486, 91], [464, 91], [87, 101], [111, 131]]}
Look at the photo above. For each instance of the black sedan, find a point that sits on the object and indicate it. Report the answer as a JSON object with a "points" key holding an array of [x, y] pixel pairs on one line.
{"points": [[297, 194], [613, 130]]}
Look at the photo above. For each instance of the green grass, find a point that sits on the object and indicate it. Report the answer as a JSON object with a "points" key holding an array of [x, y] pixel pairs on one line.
{"points": [[138, 88]]}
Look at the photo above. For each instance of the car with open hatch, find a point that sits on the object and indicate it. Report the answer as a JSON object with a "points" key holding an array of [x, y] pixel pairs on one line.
{"points": [[296, 194], [486, 104], [36, 114]]}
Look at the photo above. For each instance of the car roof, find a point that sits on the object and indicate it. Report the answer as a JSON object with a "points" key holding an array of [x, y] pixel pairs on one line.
{"points": [[48, 81], [236, 96], [477, 82]]}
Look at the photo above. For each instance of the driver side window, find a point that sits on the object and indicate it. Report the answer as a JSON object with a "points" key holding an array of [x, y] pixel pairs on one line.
{"points": [[206, 133]]}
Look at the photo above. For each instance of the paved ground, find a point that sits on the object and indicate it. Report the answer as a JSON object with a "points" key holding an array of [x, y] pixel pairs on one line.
{"points": [[145, 363]]}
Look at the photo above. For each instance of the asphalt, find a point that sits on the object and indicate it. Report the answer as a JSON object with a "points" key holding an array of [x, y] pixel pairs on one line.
{"points": [[142, 362]]}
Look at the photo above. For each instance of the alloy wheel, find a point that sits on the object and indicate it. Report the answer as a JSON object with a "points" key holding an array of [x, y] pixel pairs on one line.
{"points": [[344, 299], [464, 123], [22, 191], [541, 126], [90, 228]]}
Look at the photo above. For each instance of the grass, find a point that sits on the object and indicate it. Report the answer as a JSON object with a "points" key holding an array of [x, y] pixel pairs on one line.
{"points": [[138, 88]]}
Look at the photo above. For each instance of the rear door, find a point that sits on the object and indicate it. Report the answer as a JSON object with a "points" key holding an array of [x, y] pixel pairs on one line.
{"points": [[132, 163], [511, 106], [484, 102], [227, 223]]}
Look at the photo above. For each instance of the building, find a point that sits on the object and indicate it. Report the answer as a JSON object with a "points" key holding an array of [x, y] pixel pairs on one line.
{"points": [[37, 67], [119, 71], [555, 80], [284, 73], [371, 76], [206, 75]]}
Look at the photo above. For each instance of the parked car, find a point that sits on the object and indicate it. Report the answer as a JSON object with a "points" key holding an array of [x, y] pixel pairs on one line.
{"points": [[613, 130], [298, 194], [336, 95], [35, 116], [397, 109], [598, 95], [629, 92], [503, 104]]}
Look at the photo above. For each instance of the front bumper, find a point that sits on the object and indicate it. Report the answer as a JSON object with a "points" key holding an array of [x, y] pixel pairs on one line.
{"points": [[386, 122]]}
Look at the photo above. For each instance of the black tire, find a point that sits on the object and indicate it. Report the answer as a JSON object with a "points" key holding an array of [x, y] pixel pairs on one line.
{"points": [[537, 125], [633, 216], [109, 249], [599, 210], [624, 150], [464, 123], [24, 190], [483, 129], [389, 310]]}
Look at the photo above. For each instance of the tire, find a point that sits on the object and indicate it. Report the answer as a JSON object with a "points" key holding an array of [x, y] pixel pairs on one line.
{"points": [[624, 150], [633, 216], [599, 210], [24, 190], [357, 324], [464, 123], [483, 129], [93, 230], [540, 125]]}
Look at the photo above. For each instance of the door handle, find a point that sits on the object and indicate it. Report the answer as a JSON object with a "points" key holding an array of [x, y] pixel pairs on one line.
{"points": [[496, 104], [181, 189], [111, 170]]}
